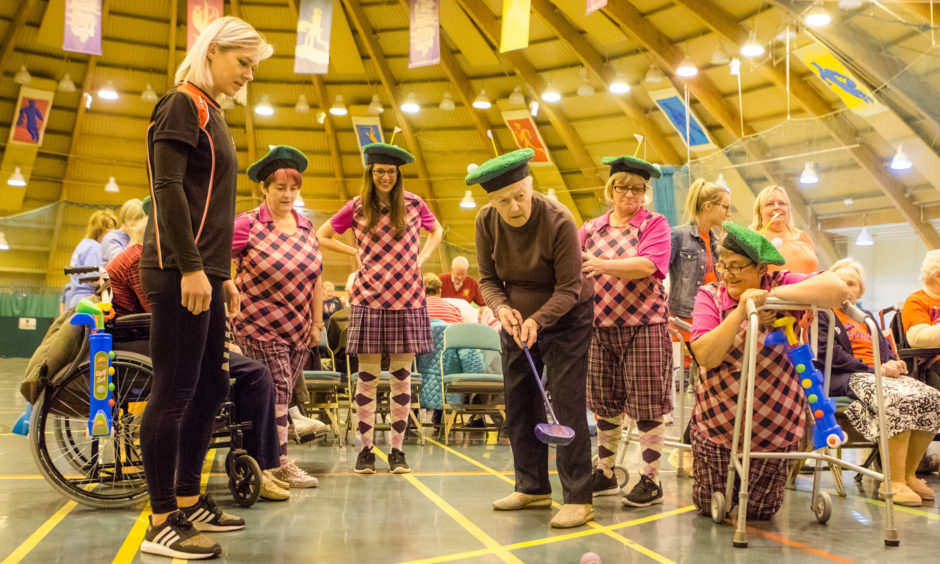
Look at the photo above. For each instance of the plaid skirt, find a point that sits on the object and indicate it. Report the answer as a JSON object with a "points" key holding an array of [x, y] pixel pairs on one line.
{"points": [[630, 371], [285, 362], [378, 331]]}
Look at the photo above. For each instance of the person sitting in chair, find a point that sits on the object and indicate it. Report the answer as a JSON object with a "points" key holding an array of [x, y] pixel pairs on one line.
{"points": [[921, 315]]}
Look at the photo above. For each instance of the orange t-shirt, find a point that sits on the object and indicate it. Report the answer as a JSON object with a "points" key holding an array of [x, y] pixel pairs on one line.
{"points": [[799, 253], [710, 275], [860, 338], [919, 308]]}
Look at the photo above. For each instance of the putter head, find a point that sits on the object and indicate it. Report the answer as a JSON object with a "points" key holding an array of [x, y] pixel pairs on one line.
{"points": [[554, 434]]}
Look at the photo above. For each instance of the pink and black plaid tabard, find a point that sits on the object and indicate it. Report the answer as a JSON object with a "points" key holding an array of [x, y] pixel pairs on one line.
{"points": [[276, 277], [619, 302], [778, 398]]}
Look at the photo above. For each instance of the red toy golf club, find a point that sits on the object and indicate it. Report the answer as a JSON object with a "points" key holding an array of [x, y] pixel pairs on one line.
{"points": [[551, 433]]}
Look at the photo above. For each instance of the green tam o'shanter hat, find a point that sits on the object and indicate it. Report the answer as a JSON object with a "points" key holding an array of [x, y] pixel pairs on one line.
{"points": [[281, 156], [385, 153], [501, 171], [632, 165], [751, 244]]}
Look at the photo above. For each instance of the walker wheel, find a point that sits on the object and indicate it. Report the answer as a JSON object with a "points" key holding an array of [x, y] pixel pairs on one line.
{"points": [[822, 507], [245, 481], [718, 507], [622, 475]]}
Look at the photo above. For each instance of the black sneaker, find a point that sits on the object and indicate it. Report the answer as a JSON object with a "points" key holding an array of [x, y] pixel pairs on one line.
{"points": [[178, 538], [602, 485], [644, 493], [207, 516], [365, 462], [396, 462]]}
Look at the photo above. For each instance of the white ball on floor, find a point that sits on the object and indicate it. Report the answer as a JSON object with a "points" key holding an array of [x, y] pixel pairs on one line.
{"points": [[590, 558]]}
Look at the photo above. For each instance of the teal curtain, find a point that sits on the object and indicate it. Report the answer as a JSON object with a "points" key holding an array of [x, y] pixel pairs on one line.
{"points": [[664, 196], [29, 302]]}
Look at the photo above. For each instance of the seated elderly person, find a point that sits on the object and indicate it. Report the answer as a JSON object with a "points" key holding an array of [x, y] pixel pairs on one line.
{"points": [[437, 307], [921, 314], [912, 408], [718, 334]]}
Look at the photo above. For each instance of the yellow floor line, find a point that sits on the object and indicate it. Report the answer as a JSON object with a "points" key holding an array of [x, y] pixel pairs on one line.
{"points": [[596, 526], [131, 544], [901, 508], [457, 516], [30, 543]]}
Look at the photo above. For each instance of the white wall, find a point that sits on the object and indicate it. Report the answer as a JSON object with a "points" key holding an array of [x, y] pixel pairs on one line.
{"points": [[892, 269]]}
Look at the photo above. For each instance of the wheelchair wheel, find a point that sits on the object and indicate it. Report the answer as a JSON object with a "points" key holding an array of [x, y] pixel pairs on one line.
{"points": [[244, 480], [103, 472]]}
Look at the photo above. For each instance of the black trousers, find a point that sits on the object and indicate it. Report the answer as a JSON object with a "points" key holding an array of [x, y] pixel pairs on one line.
{"points": [[253, 396], [561, 351], [190, 382]]}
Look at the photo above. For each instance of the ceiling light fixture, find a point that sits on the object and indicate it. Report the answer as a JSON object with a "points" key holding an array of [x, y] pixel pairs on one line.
{"points": [[338, 108], [302, 106], [4, 246], [410, 105], [900, 161], [620, 85], [517, 98], [585, 88], [817, 17], [227, 103], [752, 48], [721, 181], [864, 238], [66, 84], [447, 103], [112, 186], [848, 202], [148, 95], [17, 178], [810, 175], [654, 74], [108, 92], [551, 94], [299, 202], [686, 68], [481, 102], [22, 76], [720, 57], [850, 4], [551, 195], [468, 203], [375, 106], [264, 107]]}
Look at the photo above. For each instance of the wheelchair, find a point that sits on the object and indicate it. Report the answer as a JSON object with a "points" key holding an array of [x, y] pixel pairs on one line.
{"points": [[108, 471]]}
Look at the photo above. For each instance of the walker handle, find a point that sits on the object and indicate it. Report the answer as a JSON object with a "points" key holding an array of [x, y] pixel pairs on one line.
{"points": [[854, 312]]}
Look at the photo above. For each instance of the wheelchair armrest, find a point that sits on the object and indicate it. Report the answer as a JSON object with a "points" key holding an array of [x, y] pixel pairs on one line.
{"points": [[904, 354]]}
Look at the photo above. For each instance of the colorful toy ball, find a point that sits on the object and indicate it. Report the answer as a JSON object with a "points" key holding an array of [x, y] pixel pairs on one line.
{"points": [[590, 558]]}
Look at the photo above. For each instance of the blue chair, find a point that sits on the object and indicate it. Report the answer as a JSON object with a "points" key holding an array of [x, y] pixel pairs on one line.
{"points": [[457, 383], [324, 388]]}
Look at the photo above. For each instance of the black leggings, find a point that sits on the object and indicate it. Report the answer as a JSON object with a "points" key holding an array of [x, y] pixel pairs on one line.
{"points": [[190, 382]]}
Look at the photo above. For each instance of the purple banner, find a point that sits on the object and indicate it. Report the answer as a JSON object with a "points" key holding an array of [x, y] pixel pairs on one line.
{"points": [[82, 26], [312, 53], [425, 33], [594, 5]]}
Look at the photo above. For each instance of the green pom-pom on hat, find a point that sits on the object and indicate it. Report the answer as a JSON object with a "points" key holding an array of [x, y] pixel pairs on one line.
{"points": [[632, 165], [147, 205], [501, 171], [386, 153], [751, 244], [281, 156]]}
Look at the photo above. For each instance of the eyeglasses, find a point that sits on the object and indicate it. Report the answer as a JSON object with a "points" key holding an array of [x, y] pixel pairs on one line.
{"points": [[776, 203], [727, 208], [635, 190], [386, 172], [732, 270]]}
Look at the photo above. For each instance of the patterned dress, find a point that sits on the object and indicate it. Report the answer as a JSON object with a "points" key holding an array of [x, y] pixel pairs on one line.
{"points": [[630, 359], [388, 310]]}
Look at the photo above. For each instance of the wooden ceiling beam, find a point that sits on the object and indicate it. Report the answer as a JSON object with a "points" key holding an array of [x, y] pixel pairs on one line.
{"points": [[594, 62], [249, 119], [480, 13], [392, 92], [724, 24], [9, 41], [668, 56], [171, 45]]}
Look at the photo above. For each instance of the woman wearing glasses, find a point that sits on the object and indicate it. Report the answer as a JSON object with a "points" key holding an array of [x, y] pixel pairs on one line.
{"points": [[718, 336], [626, 252], [388, 312], [773, 220]]}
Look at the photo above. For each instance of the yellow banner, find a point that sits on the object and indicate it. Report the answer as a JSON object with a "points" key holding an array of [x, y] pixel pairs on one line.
{"points": [[839, 79], [515, 32]]}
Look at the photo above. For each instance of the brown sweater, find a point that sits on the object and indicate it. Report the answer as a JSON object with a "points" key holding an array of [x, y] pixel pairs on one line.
{"points": [[535, 268]]}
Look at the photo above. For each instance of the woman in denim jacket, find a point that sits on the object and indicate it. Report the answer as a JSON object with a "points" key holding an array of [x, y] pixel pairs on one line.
{"points": [[707, 205]]}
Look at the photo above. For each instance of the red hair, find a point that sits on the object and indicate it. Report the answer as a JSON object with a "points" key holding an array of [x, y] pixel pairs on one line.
{"points": [[284, 175]]}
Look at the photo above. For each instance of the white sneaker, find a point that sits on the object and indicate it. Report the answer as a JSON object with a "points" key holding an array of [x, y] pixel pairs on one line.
{"points": [[304, 425]]}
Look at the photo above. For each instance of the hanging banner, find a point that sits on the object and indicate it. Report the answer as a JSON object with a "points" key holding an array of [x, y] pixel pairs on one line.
{"points": [[199, 14], [671, 103], [312, 53], [515, 32], [594, 5], [368, 130], [82, 27], [30, 116], [425, 36], [839, 79], [527, 135]]}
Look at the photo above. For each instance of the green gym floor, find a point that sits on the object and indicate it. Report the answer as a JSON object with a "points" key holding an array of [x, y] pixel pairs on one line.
{"points": [[441, 513]]}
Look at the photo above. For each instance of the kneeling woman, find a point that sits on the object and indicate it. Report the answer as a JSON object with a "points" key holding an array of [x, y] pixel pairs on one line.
{"points": [[718, 335]]}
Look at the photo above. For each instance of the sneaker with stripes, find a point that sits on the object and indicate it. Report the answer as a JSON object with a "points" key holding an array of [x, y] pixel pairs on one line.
{"points": [[178, 538], [205, 515]]}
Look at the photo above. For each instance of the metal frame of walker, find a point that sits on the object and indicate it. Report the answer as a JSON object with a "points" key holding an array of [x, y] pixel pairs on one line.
{"points": [[821, 503]]}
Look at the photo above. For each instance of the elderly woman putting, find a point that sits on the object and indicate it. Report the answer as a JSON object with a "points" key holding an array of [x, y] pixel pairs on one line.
{"points": [[530, 275]]}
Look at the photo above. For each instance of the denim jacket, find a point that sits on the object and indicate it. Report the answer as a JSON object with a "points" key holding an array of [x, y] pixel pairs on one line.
{"points": [[687, 267]]}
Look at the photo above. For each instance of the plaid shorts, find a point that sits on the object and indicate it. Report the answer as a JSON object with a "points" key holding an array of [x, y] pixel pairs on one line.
{"points": [[630, 371], [285, 362], [768, 477], [377, 331]]}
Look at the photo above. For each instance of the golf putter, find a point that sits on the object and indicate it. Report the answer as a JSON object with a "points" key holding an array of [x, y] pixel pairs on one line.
{"points": [[551, 433]]}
